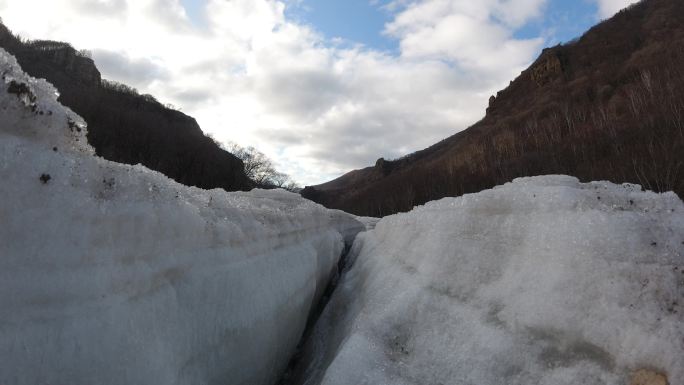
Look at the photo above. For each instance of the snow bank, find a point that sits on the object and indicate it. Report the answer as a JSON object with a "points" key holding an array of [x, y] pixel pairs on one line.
{"points": [[368, 222], [542, 281], [114, 274]]}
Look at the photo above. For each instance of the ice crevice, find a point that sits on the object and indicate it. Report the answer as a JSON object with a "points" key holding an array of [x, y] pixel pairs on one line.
{"points": [[317, 310], [302, 358]]}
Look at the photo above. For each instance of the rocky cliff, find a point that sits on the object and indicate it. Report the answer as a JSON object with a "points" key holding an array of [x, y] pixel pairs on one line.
{"points": [[124, 126]]}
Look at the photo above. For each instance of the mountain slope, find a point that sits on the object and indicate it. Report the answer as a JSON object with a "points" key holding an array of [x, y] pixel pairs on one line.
{"points": [[607, 106], [126, 127]]}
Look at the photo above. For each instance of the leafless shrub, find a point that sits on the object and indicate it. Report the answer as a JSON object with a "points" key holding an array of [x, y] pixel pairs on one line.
{"points": [[260, 168]]}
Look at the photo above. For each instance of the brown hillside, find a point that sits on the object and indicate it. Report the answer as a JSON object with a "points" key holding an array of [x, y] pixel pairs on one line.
{"points": [[608, 106], [124, 126]]}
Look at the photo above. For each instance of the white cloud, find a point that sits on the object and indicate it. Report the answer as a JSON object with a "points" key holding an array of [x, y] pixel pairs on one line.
{"points": [[467, 33], [120, 66], [252, 76], [608, 8]]}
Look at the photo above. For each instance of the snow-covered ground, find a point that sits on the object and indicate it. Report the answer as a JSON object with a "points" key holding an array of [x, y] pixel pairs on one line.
{"points": [[114, 274], [368, 222], [541, 281]]}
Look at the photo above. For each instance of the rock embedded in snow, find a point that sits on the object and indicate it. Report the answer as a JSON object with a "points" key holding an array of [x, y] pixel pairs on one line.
{"points": [[534, 282], [114, 274], [648, 377]]}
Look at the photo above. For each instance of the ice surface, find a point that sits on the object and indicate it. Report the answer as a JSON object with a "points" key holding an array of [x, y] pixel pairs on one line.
{"points": [[114, 274], [541, 281], [368, 222]]}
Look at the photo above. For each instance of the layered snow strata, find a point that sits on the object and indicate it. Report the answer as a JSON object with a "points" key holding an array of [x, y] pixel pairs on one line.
{"points": [[114, 274], [541, 281]]}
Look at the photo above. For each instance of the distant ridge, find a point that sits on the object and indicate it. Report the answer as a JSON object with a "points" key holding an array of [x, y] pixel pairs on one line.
{"points": [[609, 105], [124, 126]]}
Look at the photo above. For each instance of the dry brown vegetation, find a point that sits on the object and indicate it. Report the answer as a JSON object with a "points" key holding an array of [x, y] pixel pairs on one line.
{"points": [[608, 106]]}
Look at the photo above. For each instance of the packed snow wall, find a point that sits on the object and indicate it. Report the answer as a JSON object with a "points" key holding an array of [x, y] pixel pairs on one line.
{"points": [[541, 281], [113, 274]]}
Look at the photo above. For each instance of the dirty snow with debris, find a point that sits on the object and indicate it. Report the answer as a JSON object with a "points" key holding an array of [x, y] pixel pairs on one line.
{"points": [[114, 274], [541, 281]]}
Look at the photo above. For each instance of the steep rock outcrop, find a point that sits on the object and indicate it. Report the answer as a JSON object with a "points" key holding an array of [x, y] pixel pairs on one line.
{"points": [[547, 68], [78, 66]]}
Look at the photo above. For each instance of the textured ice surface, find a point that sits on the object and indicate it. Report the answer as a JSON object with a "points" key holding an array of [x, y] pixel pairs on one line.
{"points": [[114, 274], [368, 222], [541, 281]]}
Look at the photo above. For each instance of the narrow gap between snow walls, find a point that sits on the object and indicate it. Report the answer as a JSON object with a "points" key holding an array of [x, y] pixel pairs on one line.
{"points": [[303, 361], [290, 375]]}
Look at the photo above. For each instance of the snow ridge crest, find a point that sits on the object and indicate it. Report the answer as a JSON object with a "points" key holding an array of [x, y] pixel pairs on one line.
{"points": [[31, 110]]}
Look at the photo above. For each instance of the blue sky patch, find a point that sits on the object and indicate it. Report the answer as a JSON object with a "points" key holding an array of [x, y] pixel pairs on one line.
{"points": [[363, 21], [195, 10], [562, 21], [358, 21]]}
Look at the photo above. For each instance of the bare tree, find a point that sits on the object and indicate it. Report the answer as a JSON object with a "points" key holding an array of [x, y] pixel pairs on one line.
{"points": [[260, 168], [86, 53]]}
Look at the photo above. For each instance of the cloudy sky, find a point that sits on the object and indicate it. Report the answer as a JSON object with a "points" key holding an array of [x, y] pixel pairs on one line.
{"points": [[321, 86]]}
